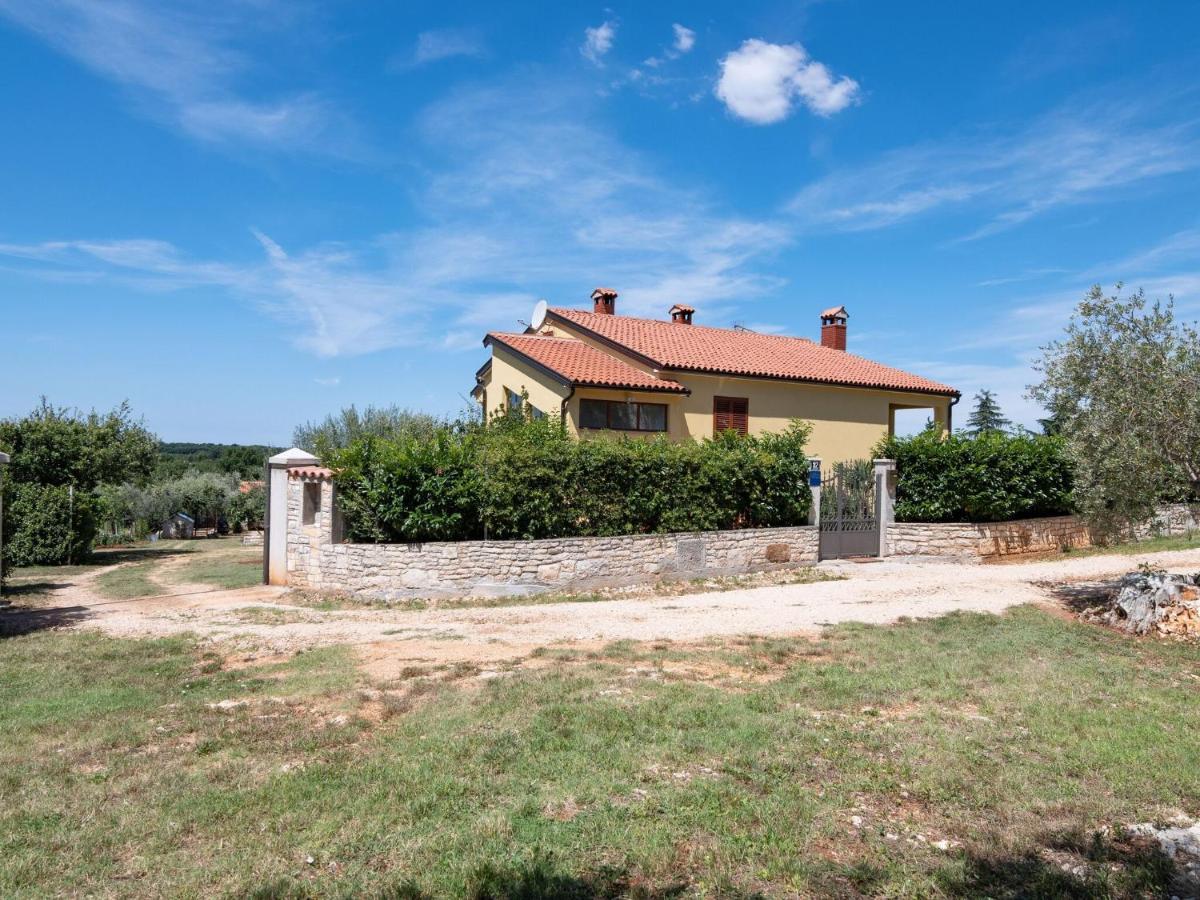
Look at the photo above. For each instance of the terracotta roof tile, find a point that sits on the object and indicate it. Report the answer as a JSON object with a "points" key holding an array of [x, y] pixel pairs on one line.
{"points": [[581, 364], [309, 472], [701, 348]]}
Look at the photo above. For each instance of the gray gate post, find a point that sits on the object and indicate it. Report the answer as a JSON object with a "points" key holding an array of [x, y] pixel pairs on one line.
{"points": [[814, 485], [3, 463], [885, 499]]}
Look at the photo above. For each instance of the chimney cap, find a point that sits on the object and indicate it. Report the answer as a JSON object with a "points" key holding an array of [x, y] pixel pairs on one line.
{"points": [[681, 314], [835, 312], [603, 292]]}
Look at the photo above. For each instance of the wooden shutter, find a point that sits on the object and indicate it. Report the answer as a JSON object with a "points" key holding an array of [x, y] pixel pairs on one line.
{"points": [[731, 414]]}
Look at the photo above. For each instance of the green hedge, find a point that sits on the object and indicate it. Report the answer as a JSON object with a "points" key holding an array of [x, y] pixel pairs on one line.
{"points": [[44, 526], [517, 479], [990, 478]]}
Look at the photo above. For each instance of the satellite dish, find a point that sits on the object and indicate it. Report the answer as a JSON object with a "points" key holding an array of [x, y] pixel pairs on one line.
{"points": [[538, 319]]}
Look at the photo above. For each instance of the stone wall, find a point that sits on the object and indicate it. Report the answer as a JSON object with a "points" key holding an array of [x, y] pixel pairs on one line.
{"points": [[987, 540], [388, 571]]}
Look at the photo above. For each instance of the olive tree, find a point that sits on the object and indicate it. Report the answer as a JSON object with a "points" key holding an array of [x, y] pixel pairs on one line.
{"points": [[1123, 385]]}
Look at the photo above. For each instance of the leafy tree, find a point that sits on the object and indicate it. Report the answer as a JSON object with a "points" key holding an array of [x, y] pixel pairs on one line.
{"points": [[986, 417], [342, 429], [60, 446], [245, 460], [59, 457], [1124, 384]]}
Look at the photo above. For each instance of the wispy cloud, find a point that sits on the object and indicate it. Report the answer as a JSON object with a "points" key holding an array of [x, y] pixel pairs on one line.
{"points": [[761, 83], [1071, 156], [182, 64], [439, 44], [541, 202], [598, 41], [685, 38]]}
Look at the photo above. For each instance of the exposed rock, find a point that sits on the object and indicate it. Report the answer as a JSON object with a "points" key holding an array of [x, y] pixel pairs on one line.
{"points": [[1153, 602]]}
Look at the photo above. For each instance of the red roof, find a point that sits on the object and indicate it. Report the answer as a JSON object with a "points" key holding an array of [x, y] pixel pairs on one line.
{"points": [[699, 348], [582, 364]]}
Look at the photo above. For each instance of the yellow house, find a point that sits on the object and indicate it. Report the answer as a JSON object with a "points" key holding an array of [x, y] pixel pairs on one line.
{"points": [[606, 373]]}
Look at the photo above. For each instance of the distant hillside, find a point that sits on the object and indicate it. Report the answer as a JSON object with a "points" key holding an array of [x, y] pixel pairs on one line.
{"points": [[246, 460]]}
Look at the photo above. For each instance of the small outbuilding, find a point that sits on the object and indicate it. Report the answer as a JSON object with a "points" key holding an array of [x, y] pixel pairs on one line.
{"points": [[180, 525]]}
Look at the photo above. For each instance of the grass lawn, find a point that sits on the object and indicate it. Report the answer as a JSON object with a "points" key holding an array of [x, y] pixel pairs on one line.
{"points": [[737, 769], [1150, 545], [221, 563]]}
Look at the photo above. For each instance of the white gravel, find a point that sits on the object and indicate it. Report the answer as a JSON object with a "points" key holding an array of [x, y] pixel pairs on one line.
{"points": [[873, 592]]}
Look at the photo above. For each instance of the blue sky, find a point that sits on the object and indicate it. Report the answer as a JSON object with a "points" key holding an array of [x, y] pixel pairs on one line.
{"points": [[330, 204]]}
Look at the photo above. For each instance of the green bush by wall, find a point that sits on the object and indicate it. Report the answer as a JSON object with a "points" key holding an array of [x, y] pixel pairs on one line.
{"points": [[519, 479], [989, 478]]}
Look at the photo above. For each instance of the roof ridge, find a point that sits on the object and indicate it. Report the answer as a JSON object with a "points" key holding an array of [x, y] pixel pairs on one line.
{"points": [[693, 325]]}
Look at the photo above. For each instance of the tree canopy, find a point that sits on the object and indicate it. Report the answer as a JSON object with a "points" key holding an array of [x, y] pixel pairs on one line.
{"points": [[1123, 385], [60, 446], [986, 417], [342, 429]]}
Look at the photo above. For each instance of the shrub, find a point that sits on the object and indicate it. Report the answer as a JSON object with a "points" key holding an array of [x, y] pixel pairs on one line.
{"points": [[45, 526], [989, 478], [522, 479]]}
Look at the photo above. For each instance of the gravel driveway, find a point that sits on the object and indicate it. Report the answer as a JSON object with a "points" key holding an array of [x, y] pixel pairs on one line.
{"points": [[261, 621]]}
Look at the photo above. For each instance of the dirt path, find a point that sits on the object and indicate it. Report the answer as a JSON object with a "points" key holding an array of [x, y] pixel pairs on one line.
{"points": [[260, 621]]}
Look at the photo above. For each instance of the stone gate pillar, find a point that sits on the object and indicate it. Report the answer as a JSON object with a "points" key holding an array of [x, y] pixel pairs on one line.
{"points": [[885, 499], [275, 526]]}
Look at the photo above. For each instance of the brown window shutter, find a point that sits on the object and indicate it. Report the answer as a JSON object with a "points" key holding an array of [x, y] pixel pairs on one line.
{"points": [[731, 414]]}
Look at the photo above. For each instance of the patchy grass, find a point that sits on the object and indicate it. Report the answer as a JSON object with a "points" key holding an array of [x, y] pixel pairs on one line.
{"points": [[129, 582], [1013, 739], [1150, 545], [268, 615], [221, 563], [652, 590]]}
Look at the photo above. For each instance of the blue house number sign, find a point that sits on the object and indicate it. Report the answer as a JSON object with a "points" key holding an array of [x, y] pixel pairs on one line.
{"points": [[814, 473]]}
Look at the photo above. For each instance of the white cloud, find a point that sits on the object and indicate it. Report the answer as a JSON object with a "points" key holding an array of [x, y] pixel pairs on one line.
{"points": [[333, 381], [685, 38], [598, 41], [761, 81], [181, 64], [443, 43], [542, 202], [1073, 155]]}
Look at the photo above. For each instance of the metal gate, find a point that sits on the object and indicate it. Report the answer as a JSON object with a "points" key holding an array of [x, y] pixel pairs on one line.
{"points": [[849, 511]]}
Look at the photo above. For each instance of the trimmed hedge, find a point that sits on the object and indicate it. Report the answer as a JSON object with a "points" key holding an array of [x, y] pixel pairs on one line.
{"points": [[990, 478], [518, 479]]}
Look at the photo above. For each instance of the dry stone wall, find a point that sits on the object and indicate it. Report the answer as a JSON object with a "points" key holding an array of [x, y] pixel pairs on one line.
{"points": [[390, 571], [986, 540]]}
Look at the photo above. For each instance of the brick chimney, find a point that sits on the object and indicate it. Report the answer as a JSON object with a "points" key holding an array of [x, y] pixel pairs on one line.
{"points": [[682, 315], [604, 302], [833, 328]]}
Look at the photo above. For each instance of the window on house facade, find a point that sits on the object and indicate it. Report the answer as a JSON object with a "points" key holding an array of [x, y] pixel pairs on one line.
{"points": [[513, 400], [731, 414], [619, 415]]}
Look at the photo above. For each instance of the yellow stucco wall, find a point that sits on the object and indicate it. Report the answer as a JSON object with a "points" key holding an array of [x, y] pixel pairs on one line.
{"points": [[846, 422], [511, 372]]}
